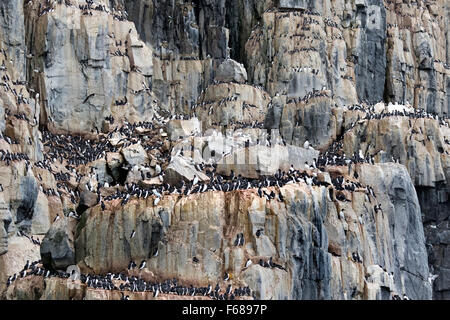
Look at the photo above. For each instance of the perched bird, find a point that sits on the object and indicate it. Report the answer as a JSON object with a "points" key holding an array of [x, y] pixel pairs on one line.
{"points": [[258, 232], [131, 265], [260, 193], [228, 289], [341, 214], [236, 242], [241, 240], [432, 277]]}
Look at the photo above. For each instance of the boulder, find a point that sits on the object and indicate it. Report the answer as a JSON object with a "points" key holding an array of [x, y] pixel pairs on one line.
{"points": [[101, 171], [57, 248], [88, 199], [180, 129], [231, 71], [135, 154], [181, 169], [114, 160]]}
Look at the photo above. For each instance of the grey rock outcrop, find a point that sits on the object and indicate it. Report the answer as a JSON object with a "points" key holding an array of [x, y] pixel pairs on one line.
{"points": [[297, 232], [135, 155], [231, 71], [12, 29], [370, 66], [180, 129], [256, 161], [404, 214], [181, 169], [57, 249], [92, 50]]}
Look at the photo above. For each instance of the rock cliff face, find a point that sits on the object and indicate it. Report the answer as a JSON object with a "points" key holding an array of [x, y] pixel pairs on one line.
{"points": [[304, 233], [168, 132]]}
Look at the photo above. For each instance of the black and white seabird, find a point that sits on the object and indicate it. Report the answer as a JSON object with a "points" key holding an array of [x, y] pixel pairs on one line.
{"points": [[131, 265], [260, 193], [236, 242], [228, 290], [341, 214], [241, 239], [258, 232]]}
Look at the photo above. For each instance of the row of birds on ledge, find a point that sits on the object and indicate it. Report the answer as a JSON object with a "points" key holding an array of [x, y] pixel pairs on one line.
{"points": [[124, 282], [231, 183]]}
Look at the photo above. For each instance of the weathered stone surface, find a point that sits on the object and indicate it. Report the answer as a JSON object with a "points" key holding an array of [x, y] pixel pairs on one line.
{"points": [[228, 103], [180, 129], [114, 160], [41, 215], [258, 160], [20, 249], [12, 29], [88, 199], [297, 233], [394, 137], [104, 67], [293, 4], [370, 67], [20, 194], [231, 71], [135, 155], [57, 248], [5, 222], [180, 169], [139, 55]]}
